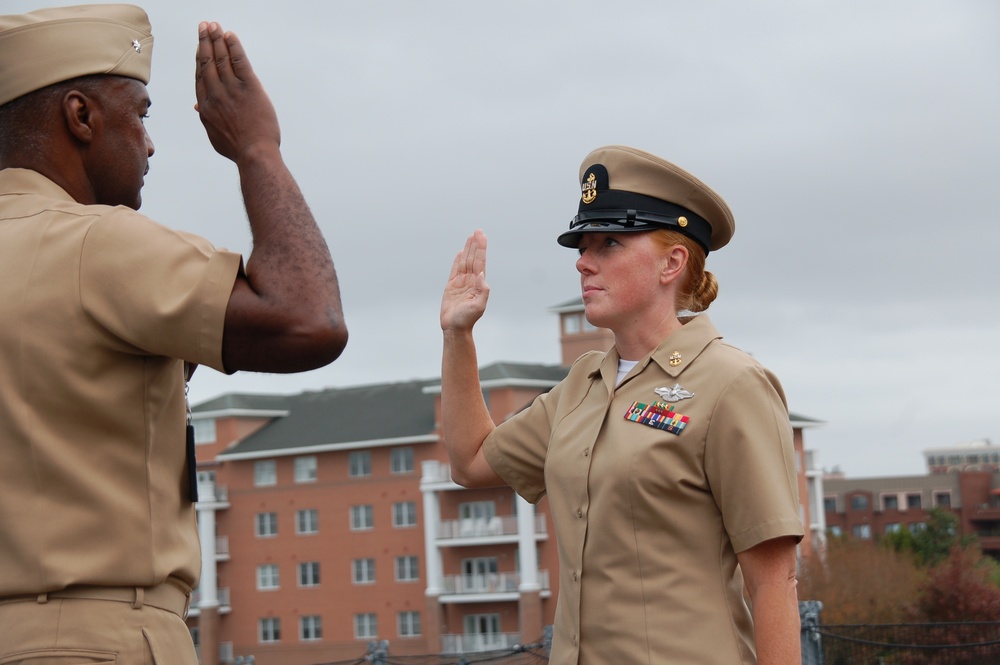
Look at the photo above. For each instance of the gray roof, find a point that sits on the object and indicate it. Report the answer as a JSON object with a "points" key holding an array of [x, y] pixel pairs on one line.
{"points": [[347, 415], [244, 402]]}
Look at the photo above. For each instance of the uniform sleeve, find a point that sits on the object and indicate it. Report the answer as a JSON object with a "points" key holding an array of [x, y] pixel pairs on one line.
{"points": [[749, 460], [157, 290], [517, 448]]}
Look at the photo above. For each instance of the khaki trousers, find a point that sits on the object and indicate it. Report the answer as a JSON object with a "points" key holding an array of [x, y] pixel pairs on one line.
{"points": [[83, 631]]}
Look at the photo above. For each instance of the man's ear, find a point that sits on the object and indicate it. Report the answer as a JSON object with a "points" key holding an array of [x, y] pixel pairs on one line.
{"points": [[674, 264], [79, 112]]}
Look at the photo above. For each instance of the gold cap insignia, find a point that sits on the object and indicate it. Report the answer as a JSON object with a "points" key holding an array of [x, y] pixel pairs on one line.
{"points": [[589, 187], [675, 359]]}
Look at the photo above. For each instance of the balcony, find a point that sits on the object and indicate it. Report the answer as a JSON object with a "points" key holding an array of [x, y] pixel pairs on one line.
{"points": [[478, 643], [488, 587], [222, 548], [984, 513], [483, 531], [224, 604]]}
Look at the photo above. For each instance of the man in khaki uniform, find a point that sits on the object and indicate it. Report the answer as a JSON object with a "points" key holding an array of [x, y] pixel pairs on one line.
{"points": [[106, 312], [668, 460]]}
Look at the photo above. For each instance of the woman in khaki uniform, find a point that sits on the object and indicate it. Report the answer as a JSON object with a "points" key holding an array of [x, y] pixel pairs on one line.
{"points": [[667, 461]]}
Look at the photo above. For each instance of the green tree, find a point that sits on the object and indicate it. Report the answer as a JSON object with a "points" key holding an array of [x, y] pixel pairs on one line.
{"points": [[934, 543]]}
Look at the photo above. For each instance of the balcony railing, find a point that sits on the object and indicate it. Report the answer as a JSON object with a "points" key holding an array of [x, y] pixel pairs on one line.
{"points": [[985, 513], [489, 583], [477, 643], [494, 527], [224, 603], [222, 548]]}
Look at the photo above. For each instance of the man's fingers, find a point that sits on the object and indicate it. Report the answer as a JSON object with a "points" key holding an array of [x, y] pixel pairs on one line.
{"points": [[204, 71], [220, 49], [238, 58]]}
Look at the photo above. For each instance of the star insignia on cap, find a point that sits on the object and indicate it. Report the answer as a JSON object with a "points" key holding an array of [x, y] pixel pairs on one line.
{"points": [[137, 46], [674, 394]]}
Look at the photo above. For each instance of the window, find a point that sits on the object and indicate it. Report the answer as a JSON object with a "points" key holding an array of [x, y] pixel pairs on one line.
{"points": [[916, 527], [404, 514], [914, 502], [204, 430], [360, 463], [890, 502], [829, 504], [267, 576], [310, 628], [480, 574], [408, 624], [267, 525], [361, 518], [407, 569], [402, 460], [305, 469], [942, 499], [571, 324], [859, 502], [365, 626], [269, 629], [835, 531], [863, 531], [483, 631], [363, 571], [307, 521], [309, 573], [265, 473], [477, 510], [892, 528]]}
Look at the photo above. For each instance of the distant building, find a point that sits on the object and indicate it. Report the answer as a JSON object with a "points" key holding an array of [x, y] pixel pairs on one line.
{"points": [[978, 455], [329, 521], [961, 479]]}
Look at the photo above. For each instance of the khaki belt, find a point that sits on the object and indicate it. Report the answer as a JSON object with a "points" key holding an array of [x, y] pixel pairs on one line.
{"points": [[164, 596]]}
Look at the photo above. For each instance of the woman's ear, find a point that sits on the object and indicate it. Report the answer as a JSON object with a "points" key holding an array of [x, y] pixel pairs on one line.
{"points": [[79, 113], [674, 264]]}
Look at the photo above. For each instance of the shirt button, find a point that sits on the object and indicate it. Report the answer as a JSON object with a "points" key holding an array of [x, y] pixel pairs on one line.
{"points": [[586, 452], [575, 641], [575, 578], [579, 513]]}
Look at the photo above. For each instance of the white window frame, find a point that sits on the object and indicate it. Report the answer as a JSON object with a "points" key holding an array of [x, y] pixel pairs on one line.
{"points": [[365, 626], [363, 571], [404, 514], [266, 524], [307, 521], [204, 430], [310, 628], [401, 460], [359, 464], [265, 473], [362, 518], [306, 469], [408, 624], [269, 630], [268, 577], [308, 574], [408, 568]]}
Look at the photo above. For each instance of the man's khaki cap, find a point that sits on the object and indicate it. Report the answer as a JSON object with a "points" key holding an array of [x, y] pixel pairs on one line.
{"points": [[48, 46], [624, 189]]}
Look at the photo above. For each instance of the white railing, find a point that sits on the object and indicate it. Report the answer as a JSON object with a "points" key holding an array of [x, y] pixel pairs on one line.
{"points": [[223, 595], [476, 643], [490, 583], [222, 547], [226, 652], [485, 528]]}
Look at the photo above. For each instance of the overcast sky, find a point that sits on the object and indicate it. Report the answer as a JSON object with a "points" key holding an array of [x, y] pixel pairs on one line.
{"points": [[857, 142]]}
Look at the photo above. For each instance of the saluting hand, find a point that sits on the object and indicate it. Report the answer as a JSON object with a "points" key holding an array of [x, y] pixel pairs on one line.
{"points": [[466, 293], [233, 105]]}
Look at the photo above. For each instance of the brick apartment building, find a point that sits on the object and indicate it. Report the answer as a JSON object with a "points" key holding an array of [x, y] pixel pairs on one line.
{"points": [[328, 521], [964, 479]]}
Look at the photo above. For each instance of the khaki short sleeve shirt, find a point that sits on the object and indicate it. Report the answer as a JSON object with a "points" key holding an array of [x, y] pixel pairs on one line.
{"points": [[100, 307], [654, 486]]}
